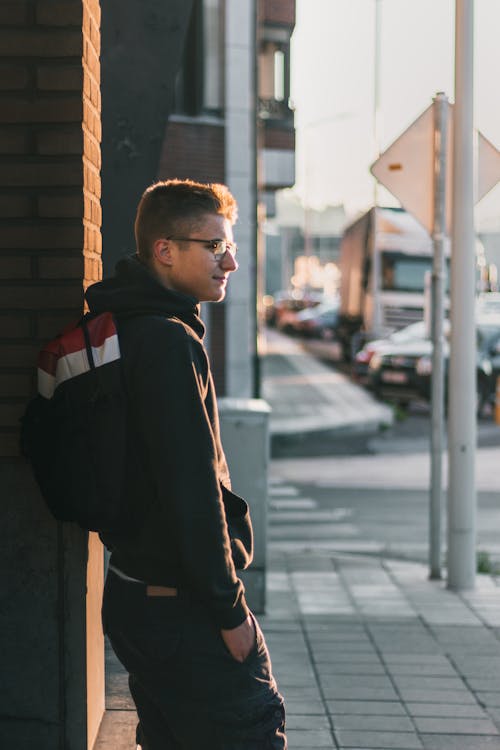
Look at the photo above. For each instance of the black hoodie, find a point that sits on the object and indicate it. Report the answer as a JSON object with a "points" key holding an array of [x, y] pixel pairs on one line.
{"points": [[184, 540]]}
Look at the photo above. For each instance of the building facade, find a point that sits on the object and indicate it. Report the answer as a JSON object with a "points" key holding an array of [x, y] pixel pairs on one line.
{"points": [[232, 123]]}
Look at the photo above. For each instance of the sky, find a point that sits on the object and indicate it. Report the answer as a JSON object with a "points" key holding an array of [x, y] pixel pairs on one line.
{"points": [[332, 89]]}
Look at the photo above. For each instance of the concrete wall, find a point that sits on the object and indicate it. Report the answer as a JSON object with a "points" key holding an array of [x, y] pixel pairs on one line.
{"points": [[49, 250], [245, 422], [142, 44], [241, 157]]}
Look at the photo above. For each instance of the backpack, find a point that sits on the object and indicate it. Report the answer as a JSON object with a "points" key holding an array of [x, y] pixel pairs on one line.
{"points": [[75, 431]]}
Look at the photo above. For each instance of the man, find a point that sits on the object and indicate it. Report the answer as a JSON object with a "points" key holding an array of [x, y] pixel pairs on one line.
{"points": [[174, 608]]}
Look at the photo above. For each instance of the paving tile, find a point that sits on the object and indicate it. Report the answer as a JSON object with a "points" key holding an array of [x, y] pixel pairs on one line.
{"points": [[365, 708], [298, 738], [485, 684], [287, 681], [303, 706], [472, 711], [438, 669], [402, 658], [349, 647], [358, 693], [117, 693], [428, 696], [307, 722], [399, 740], [441, 725], [489, 699], [419, 682], [350, 680], [319, 655], [457, 742], [117, 730], [306, 693], [379, 723], [345, 668]]}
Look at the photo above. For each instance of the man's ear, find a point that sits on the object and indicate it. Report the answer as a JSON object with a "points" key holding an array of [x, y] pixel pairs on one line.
{"points": [[162, 251]]}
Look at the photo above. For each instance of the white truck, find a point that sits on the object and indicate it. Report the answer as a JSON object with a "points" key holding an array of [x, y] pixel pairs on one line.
{"points": [[384, 257]]}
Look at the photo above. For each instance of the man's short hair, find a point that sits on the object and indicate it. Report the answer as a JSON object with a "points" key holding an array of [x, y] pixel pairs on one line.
{"points": [[174, 206]]}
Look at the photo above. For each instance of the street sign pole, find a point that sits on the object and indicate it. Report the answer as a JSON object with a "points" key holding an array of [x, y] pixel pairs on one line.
{"points": [[437, 315], [462, 382]]}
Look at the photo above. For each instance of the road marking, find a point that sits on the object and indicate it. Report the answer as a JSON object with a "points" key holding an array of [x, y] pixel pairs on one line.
{"points": [[297, 503], [298, 515], [283, 491]]}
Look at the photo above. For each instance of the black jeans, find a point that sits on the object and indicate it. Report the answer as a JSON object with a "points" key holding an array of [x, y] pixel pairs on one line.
{"points": [[190, 693]]}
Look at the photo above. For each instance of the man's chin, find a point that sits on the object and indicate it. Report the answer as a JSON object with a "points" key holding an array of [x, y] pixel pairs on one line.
{"points": [[217, 296]]}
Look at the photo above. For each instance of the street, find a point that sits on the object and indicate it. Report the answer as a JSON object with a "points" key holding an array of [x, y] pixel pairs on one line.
{"points": [[368, 492]]}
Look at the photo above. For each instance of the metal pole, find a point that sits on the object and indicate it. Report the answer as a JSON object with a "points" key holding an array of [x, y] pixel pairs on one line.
{"points": [[462, 383], [377, 312], [437, 308]]}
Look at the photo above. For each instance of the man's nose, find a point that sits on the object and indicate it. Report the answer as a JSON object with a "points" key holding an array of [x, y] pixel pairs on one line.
{"points": [[228, 262]]}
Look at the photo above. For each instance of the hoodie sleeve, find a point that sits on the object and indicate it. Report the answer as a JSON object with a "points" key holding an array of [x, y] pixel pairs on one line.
{"points": [[169, 385]]}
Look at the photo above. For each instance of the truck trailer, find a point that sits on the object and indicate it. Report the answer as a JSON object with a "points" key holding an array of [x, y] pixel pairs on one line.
{"points": [[384, 257]]}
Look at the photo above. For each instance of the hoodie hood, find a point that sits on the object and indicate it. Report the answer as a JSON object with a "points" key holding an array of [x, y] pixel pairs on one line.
{"points": [[134, 290]]}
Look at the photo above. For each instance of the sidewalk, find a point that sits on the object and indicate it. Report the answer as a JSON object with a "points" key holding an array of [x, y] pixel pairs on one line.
{"points": [[308, 397], [369, 654]]}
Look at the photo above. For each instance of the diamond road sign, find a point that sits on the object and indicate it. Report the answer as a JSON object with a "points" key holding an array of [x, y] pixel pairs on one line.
{"points": [[406, 168]]}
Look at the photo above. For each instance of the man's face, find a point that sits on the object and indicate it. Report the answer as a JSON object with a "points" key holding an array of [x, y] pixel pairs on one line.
{"points": [[193, 268]]}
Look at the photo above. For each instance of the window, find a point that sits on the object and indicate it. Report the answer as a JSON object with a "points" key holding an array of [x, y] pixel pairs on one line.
{"points": [[199, 86], [404, 273], [274, 88]]}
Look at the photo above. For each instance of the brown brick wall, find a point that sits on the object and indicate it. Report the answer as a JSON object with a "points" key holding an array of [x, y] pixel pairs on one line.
{"points": [[50, 244], [281, 138], [193, 150], [281, 12]]}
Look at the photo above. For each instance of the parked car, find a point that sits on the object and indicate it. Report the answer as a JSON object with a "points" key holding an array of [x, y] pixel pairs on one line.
{"points": [[402, 372], [313, 322], [361, 360], [282, 310]]}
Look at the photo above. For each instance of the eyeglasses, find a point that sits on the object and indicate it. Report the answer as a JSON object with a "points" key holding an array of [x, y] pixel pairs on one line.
{"points": [[218, 248]]}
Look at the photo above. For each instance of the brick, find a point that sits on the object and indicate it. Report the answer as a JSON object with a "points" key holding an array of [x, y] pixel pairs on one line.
{"points": [[61, 267], [13, 77], [15, 386], [15, 206], [41, 237], [15, 267], [56, 206], [279, 138], [49, 326], [42, 297], [47, 109], [40, 43], [60, 141], [13, 14], [15, 326], [19, 355], [10, 414], [60, 78], [41, 174], [52, 13], [9, 444], [280, 12], [14, 141]]}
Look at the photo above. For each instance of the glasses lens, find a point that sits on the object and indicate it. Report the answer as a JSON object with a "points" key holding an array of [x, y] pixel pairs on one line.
{"points": [[223, 246]]}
